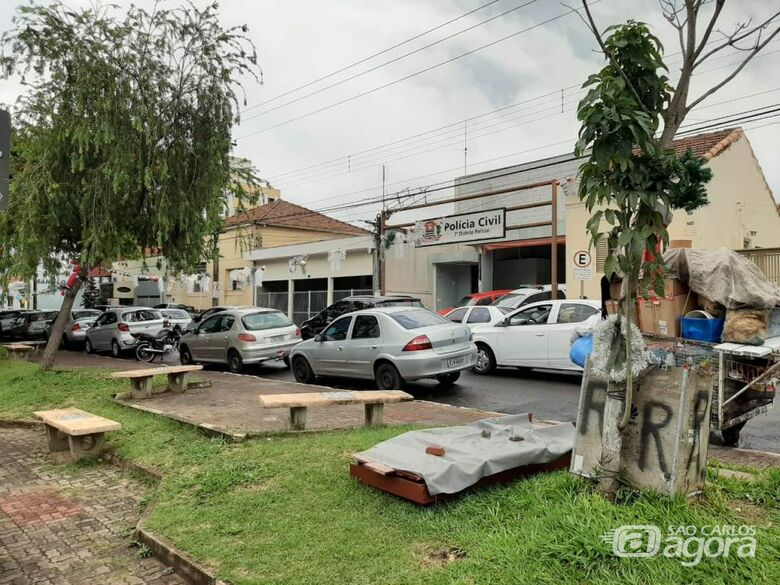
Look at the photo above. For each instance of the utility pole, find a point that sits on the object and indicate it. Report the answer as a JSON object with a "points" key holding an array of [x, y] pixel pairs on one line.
{"points": [[381, 220], [465, 146]]}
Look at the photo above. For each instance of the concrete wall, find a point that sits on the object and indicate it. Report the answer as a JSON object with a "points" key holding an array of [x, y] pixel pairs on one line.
{"points": [[740, 201]]}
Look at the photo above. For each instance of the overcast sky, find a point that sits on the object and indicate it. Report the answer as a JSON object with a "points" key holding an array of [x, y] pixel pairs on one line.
{"points": [[303, 40]]}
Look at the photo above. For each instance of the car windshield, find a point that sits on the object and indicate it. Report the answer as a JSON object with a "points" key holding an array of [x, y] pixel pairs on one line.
{"points": [[401, 303], [137, 316], [417, 319], [175, 314], [41, 316], [505, 310], [265, 320], [464, 301], [510, 299], [85, 314]]}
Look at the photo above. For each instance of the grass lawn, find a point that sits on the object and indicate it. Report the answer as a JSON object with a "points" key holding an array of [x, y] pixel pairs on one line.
{"points": [[284, 510]]}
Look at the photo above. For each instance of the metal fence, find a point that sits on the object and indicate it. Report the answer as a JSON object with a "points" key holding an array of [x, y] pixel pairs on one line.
{"points": [[272, 300], [767, 260], [305, 303], [340, 294]]}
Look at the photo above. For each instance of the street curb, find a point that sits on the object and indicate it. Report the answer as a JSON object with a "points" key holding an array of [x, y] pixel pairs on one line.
{"points": [[205, 428], [10, 423], [170, 556]]}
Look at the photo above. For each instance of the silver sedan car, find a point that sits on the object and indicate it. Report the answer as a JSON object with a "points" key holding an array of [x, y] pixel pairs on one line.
{"points": [[390, 345], [79, 321], [237, 337]]}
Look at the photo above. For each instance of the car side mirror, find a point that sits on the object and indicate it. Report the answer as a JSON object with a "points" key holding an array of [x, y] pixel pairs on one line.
{"points": [[318, 338]]}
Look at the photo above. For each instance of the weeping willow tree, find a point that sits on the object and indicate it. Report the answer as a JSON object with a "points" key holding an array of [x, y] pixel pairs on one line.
{"points": [[122, 139]]}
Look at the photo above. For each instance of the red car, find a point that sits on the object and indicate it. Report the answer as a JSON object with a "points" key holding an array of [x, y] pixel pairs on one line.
{"points": [[480, 298]]}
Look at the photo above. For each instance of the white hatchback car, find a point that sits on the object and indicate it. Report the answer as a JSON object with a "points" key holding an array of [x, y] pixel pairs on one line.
{"points": [[473, 315], [533, 336]]}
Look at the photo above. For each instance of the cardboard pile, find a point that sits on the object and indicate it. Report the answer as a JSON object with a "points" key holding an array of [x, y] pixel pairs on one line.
{"points": [[660, 315]]}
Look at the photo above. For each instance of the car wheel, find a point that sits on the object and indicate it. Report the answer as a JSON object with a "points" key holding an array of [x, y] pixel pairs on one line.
{"points": [[88, 346], [116, 351], [447, 380], [486, 361], [388, 378], [185, 356], [302, 370], [235, 363]]}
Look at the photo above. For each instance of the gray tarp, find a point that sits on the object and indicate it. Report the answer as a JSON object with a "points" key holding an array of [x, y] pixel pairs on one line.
{"points": [[468, 456], [722, 276]]}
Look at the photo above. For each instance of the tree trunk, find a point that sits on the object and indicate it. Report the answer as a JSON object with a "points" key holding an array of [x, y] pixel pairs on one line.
{"points": [[617, 406], [58, 327], [611, 442]]}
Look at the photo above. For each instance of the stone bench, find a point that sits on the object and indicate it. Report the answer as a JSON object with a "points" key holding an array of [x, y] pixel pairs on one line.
{"points": [[81, 432], [19, 350], [374, 402], [141, 380]]}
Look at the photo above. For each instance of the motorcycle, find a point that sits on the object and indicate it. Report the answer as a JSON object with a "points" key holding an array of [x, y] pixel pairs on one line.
{"points": [[147, 347]]}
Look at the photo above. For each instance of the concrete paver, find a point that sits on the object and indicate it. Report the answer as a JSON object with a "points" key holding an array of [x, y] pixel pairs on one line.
{"points": [[68, 524]]}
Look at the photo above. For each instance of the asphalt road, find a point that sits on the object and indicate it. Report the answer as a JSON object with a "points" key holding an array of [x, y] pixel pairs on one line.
{"points": [[549, 395]]}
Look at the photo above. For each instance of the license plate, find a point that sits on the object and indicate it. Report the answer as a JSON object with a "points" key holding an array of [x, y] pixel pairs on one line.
{"points": [[277, 338], [454, 362]]}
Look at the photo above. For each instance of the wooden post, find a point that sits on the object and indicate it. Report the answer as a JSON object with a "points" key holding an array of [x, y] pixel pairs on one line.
{"points": [[297, 418], [554, 244], [374, 415]]}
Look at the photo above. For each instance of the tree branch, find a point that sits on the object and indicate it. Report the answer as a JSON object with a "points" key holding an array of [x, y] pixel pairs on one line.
{"points": [[756, 49], [710, 27], [594, 29], [735, 37]]}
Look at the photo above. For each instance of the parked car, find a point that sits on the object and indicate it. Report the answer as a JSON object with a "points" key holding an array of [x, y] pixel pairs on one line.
{"points": [[533, 336], [480, 298], [113, 330], [317, 323], [30, 324], [76, 326], [390, 345], [200, 317], [188, 308], [241, 336], [178, 317], [527, 295], [8, 320], [475, 315]]}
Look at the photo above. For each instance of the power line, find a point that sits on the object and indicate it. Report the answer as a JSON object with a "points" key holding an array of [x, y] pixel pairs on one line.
{"points": [[453, 127], [708, 125], [391, 61], [364, 59], [411, 75]]}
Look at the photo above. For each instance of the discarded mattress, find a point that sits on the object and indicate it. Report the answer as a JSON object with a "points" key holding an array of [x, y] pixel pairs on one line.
{"points": [[472, 452], [722, 276]]}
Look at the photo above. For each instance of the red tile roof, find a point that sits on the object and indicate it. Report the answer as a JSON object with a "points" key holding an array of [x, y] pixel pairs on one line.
{"points": [[708, 145], [99, 272], [285, 214]]}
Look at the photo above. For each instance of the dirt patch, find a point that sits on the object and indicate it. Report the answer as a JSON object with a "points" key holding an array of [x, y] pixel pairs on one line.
{"points": [[443, 556]]}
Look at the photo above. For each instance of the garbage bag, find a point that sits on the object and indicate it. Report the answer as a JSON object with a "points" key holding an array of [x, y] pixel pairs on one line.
{"points": [[580, 350]]}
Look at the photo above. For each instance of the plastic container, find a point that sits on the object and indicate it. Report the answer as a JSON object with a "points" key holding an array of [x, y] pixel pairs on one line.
{"points": [[701, 329]]}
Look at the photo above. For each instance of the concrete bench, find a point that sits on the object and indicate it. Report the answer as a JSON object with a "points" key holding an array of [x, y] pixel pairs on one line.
{"points": [[374, 402], [38, 346], [141, 380], [81, 432], [19, 350]]}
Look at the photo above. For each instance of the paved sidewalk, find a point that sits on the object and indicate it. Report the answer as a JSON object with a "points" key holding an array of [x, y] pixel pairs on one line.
{"points": [[68, 524]]}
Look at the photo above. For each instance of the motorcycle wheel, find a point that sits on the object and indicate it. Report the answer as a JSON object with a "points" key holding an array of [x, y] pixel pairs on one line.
{"points": [[143, 353]]}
